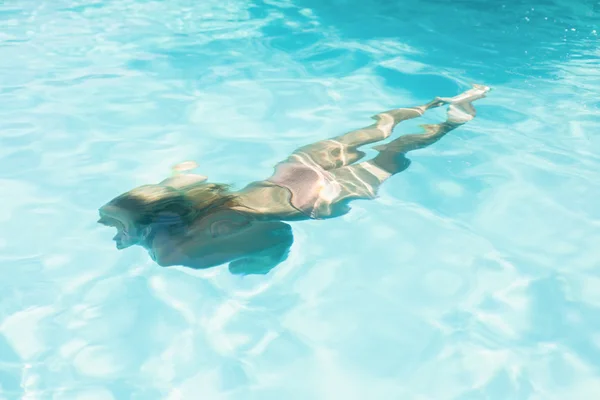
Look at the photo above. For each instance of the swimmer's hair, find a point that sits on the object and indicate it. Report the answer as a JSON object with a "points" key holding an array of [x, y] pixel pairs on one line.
{"points": [[157, 204]]}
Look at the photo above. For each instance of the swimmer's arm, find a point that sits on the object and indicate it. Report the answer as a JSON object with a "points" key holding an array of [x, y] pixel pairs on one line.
{"points": [[261, 263], [193, 253], [193, 250], [248, 247], [168, 256], [181, 257]]}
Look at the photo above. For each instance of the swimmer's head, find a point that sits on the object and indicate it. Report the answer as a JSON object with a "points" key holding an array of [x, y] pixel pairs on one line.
{"points": [[128, 233], [137, 212]]}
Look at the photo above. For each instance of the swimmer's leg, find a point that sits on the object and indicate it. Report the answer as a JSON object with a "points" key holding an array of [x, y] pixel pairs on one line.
{"points": [[392, 156], [362, 180], [343, 150]]}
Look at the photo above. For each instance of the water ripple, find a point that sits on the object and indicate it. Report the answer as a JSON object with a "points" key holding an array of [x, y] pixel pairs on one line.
{"points": [[473, 275]]}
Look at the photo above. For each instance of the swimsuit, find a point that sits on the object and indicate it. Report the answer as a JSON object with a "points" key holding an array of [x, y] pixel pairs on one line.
{"points": [[312, 188]]}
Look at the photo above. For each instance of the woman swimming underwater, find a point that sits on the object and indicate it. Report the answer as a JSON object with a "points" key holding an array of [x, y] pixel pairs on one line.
{"points": [[185, 220]]}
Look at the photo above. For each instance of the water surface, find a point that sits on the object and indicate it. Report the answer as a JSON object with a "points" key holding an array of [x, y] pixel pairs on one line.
{"points": [[474, 275]]}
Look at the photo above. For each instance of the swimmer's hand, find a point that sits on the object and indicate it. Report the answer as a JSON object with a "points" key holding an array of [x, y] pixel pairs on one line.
{"points": [[183, 166], [179, 178]]}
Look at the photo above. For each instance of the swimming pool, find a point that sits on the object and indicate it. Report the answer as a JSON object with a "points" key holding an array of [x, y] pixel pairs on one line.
{"points": [[474, 274]]}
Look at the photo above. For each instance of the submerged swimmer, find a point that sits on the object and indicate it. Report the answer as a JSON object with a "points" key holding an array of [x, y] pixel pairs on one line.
{"points": [[185, 220]]}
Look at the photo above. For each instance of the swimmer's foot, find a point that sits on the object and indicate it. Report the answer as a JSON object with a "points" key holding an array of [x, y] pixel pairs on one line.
{"points": [[460, 109], [461, 113], [475, 93]]}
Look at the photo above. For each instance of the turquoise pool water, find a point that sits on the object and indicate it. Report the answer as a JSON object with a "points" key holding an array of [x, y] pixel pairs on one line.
{"points": [[474, 275]]}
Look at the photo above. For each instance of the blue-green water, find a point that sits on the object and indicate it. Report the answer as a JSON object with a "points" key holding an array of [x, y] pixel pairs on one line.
{"points": [[474, 275]]}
